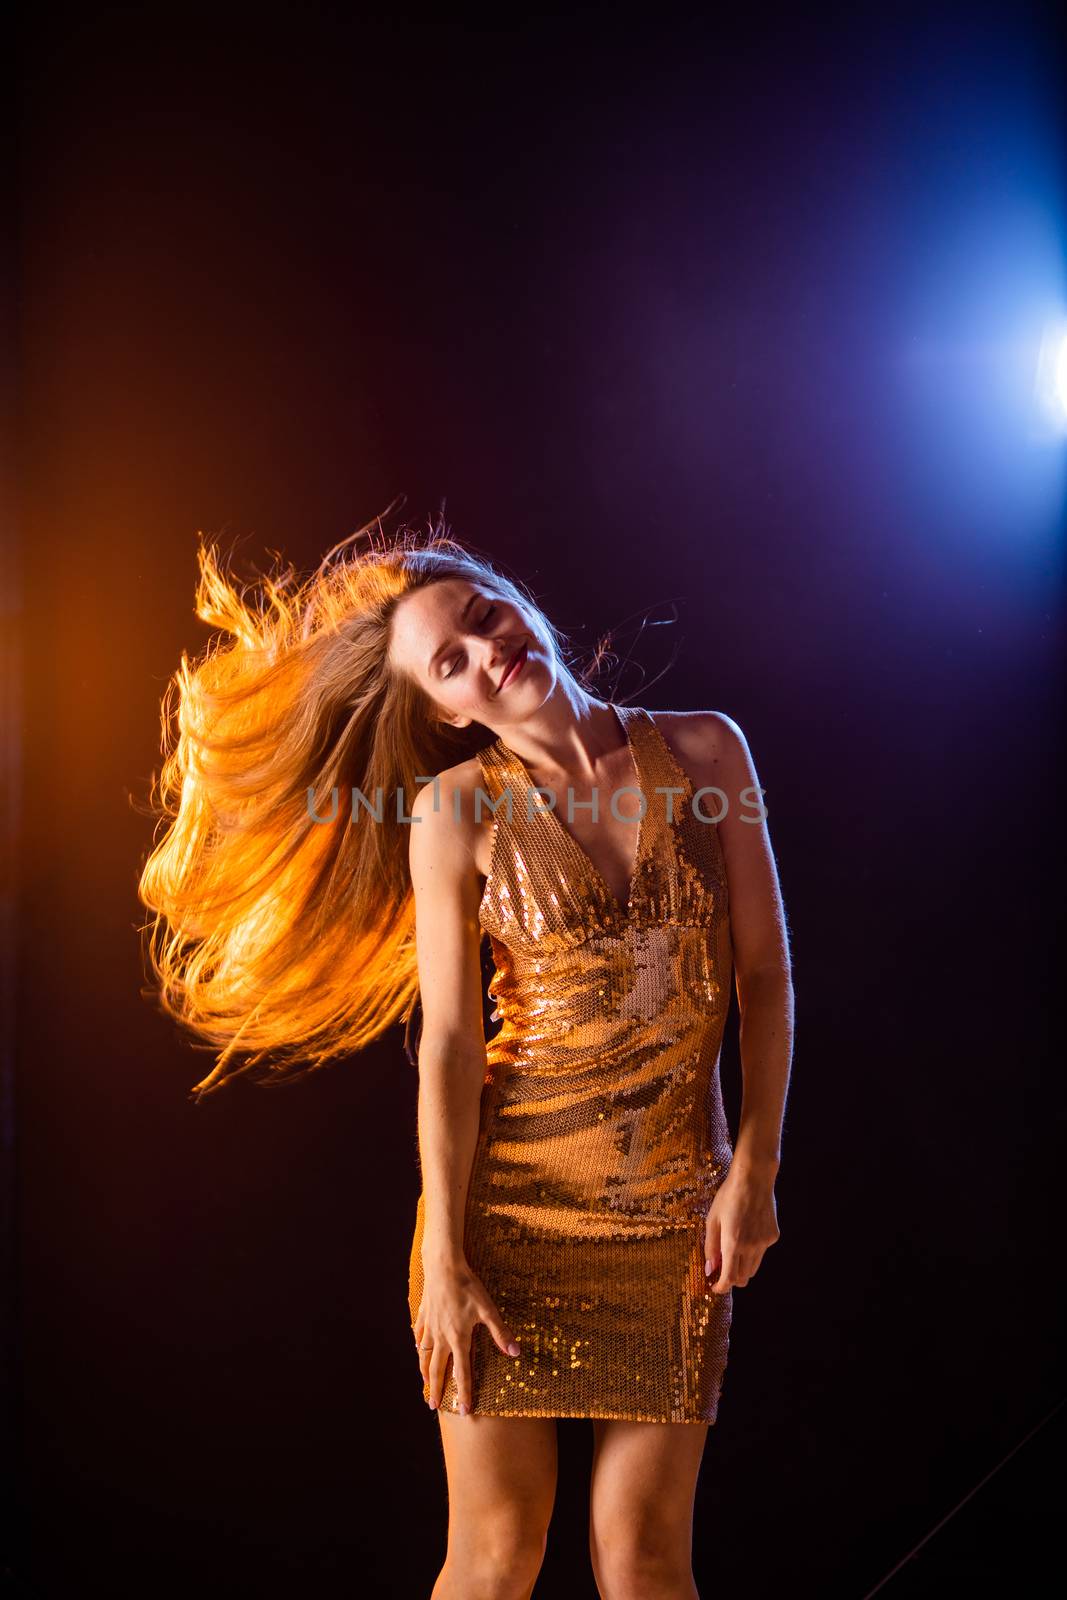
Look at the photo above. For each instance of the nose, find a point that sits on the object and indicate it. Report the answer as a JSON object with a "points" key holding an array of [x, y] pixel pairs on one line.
{"points": [[503, 650]]}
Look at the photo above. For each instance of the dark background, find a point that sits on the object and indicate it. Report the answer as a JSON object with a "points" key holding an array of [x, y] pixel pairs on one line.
{"points": [[633, 298]]}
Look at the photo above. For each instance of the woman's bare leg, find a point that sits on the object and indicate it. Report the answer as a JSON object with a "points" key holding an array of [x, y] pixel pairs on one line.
{"points": [[641, 1501], [501, 1489]]}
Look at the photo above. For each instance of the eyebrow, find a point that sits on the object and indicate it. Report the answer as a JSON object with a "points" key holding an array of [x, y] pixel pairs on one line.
{"points": [[441, 648]]}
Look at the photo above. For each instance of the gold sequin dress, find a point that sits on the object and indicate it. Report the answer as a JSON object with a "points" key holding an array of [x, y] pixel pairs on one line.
{"points": [[602, 1136]]}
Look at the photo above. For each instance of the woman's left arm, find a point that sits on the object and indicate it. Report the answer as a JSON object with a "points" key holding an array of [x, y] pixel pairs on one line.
{"points": [[742, 1222]]}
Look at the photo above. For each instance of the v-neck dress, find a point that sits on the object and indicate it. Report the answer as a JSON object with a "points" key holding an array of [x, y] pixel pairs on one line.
{"points": [[602, 1133]]}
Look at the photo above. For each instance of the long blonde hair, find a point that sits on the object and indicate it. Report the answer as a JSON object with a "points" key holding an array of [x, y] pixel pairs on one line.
{"points": [[280, 938]]}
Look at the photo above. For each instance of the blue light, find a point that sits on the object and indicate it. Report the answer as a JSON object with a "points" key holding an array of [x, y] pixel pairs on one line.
{"points": [[1050, 383]]}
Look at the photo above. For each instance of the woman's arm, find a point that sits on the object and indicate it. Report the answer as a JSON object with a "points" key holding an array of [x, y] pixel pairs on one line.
{"points": [[452, 1071], [762, 966], [742, 1222], [452, 1057]]}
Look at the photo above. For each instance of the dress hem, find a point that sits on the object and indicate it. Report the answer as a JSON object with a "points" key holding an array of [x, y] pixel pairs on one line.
{"points": [[606, 1416]]}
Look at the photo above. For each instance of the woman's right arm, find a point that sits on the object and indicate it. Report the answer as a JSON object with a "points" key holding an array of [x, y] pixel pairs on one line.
{"points": [[452, 1069]]}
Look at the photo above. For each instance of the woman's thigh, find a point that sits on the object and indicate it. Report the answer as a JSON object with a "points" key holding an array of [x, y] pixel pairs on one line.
{"points": [[642, 1491], [502, 1475]]}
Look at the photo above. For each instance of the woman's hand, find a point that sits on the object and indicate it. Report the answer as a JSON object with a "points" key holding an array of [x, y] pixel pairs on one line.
{"points": [[741, 1224], [454, 1301]]}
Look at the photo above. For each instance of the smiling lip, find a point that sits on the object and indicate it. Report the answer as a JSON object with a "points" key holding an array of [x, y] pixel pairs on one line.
{"points": [[516, 666]]}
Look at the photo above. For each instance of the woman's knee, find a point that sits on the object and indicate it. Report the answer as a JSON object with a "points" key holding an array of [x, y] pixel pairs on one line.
{"points": [[498, 1560], [640, 1558]]}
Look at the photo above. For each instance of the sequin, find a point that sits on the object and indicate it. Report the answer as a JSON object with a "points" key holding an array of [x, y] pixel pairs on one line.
{"points": [[602, 1134]]}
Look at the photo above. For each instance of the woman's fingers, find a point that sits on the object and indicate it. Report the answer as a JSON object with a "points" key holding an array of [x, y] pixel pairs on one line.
{"points": [[729, 1271], [424, 1358], [738, 1267], [499, 1330], [461, 1371], [436, 1348], [461, 1353], [712, 1243], [438, 1362]]}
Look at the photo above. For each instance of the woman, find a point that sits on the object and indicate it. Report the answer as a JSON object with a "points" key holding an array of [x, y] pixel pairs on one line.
{"points": [[583, 1217]]}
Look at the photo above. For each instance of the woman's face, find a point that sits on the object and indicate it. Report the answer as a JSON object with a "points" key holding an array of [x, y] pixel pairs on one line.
{"points": [[457, 639]]}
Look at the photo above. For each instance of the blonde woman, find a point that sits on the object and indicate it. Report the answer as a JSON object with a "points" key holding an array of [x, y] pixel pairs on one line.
{"points": [[584, 1217]]}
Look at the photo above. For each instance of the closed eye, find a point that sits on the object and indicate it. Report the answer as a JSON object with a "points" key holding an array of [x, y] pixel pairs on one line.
{"points": [[486, 618]]}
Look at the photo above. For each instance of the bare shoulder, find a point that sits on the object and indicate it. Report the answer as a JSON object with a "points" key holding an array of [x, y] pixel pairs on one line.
{"points": [[713, 750], [447, 803], [706, 744]]}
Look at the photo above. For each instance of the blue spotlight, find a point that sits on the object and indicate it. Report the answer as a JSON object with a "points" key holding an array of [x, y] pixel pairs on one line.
{"points": [[1050, 382]]}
